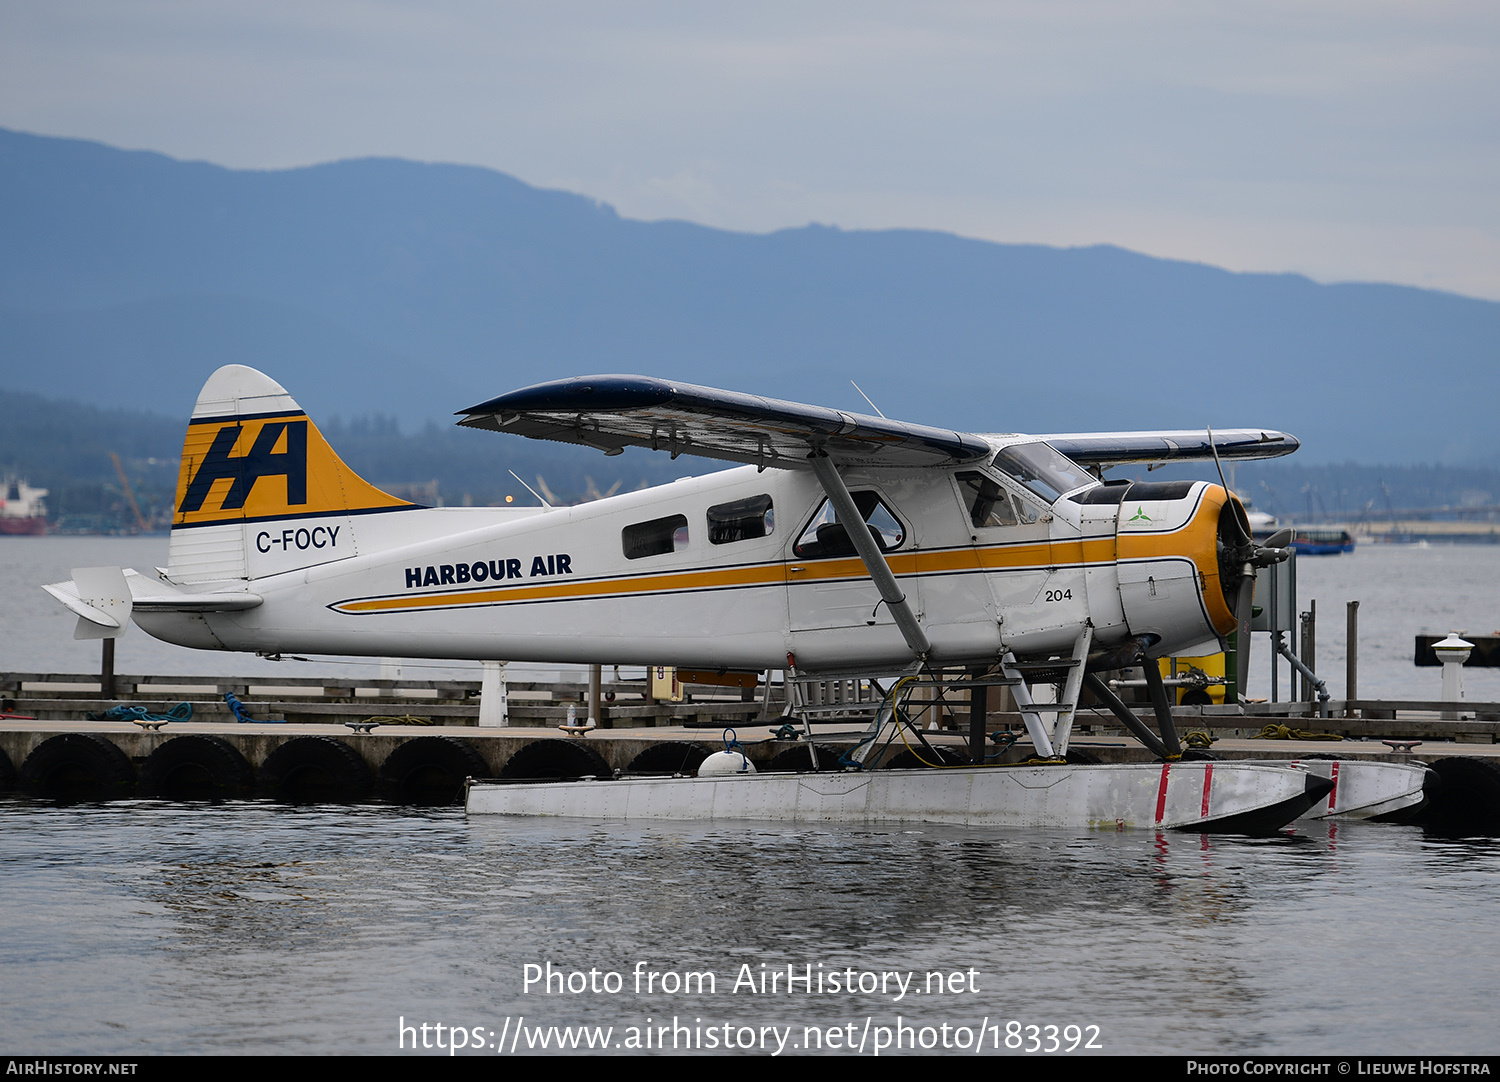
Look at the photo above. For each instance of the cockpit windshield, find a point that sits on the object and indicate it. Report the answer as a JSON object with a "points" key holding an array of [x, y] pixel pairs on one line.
{"points": [[1042, 469]]}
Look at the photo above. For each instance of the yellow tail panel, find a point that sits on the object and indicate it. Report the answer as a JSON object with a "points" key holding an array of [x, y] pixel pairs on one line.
{"points": [[246, 468]]}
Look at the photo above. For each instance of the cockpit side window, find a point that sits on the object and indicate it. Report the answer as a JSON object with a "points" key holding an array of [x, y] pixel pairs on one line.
{"points": [[988, 503], [826, 536], [1042, 469]]}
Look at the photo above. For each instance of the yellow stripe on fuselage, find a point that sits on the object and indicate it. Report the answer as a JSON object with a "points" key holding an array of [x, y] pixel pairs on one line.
{"points": [[1039, 555], [997, 558]]}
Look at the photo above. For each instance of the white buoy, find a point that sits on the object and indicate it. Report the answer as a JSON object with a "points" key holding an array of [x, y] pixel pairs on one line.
{"points": [[725, 762], [1453, 652]]}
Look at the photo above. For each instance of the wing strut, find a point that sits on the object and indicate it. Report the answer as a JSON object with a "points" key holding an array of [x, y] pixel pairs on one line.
{"points": [[874, 560]]}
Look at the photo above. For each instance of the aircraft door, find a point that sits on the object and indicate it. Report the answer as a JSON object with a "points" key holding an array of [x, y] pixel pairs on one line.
{"points": [[828, 586], [1011, 536]]}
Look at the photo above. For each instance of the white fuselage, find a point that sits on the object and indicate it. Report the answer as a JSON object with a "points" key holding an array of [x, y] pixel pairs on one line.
{"points": [[557, 585]]}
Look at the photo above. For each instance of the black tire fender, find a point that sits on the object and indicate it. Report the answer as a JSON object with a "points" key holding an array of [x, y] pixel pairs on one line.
{"points": [[669, 757], [78, 766], [308, 769], [430, 770], [1468, 799], [911, 758], [195, 767], [554, 760]]}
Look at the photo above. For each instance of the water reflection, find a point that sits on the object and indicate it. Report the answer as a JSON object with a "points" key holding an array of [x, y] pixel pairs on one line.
{"points": [[155, 927]]}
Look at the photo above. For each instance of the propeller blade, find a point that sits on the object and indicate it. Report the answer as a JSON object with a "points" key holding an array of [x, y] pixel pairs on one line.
{"points": [[1279, 540]]}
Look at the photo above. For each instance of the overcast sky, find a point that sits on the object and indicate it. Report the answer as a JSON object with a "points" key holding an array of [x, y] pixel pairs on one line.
{"points": [[1347, 140]]}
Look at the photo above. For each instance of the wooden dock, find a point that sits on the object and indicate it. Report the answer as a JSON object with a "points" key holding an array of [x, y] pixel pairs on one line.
{"points": [[425, 735], [625, 704]]}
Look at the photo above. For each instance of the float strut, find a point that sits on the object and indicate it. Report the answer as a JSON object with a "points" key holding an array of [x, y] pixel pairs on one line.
{"points": [[979, 696], [1117, 707], [1163, 708]]}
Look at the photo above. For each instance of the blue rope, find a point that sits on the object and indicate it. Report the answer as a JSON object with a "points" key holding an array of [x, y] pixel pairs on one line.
{"points": [[180, 712], [732, 743], [242, 715]]}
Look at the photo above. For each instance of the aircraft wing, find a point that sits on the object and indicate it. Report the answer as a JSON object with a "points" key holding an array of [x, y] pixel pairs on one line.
{"points": [[610, 413], [1114, 448]]}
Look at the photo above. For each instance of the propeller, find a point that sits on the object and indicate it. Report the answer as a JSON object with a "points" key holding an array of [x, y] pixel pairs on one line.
{"points": [[1249, 556], [1240, 554]]}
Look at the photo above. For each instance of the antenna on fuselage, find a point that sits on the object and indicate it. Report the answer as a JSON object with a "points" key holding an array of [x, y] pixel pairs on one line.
{"points": [[866, 397], [529, 489]]}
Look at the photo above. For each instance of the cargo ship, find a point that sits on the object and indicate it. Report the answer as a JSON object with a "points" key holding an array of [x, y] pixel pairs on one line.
{"points": [[22, 511]]}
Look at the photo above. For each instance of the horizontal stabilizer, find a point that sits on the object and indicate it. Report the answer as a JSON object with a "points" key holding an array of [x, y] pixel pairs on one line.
{"points": [[1115, 448], [610, 413], [153, 595], [101, 599], [82, 608], [104, 597]]}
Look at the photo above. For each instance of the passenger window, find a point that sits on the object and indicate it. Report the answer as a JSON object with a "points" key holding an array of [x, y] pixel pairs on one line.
{"points": [[826, 536], [988, 503], [656, 537], [740, 520]]}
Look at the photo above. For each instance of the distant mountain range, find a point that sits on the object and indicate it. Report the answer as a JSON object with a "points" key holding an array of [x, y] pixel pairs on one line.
{"points": [[412, 290]]}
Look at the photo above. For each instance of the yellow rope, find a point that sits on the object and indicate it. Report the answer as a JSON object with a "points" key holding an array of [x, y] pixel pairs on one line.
{"points": [[1286, 732]]}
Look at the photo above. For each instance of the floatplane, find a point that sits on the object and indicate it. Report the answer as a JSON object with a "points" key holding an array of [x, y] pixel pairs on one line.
{"points": [[844, 543]]}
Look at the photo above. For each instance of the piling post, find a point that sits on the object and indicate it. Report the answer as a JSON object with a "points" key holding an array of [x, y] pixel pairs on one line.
{"points": [[595, 677], [1351, 656], [1299, 647], [1309, 650], [107, 670]]}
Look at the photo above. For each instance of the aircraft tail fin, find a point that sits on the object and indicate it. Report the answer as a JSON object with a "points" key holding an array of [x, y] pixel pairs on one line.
{"points": [[259, 490]]}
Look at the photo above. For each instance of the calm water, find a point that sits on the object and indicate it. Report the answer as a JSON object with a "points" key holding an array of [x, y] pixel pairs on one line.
{"points": [[249, 928]]}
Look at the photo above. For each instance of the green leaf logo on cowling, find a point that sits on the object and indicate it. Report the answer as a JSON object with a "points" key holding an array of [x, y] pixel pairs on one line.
{"points": [[1140, 515]]}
